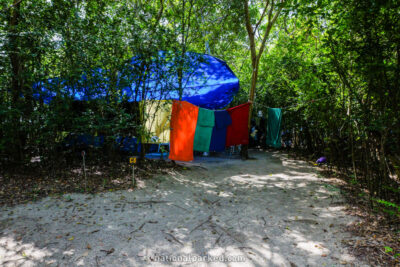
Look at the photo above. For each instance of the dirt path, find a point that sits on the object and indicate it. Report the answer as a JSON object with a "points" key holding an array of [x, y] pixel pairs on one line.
{"points": [[270, 211]]}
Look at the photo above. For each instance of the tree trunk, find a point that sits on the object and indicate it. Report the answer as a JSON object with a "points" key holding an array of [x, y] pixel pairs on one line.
{"points": [[16, 79], [267, 13]]}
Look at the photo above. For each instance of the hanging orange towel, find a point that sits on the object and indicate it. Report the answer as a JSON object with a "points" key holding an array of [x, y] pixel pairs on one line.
{"points": [[183, 126]]}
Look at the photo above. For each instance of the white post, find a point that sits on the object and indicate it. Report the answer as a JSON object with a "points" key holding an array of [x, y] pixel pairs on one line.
{"points": [[133, 175], [84, 169]]}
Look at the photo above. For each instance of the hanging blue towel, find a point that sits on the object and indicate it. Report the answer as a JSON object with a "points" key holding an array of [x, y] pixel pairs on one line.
{"points": [[218, 138]]}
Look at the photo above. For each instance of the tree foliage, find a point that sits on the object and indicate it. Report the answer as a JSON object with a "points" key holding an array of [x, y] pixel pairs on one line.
{"points": [[333, 66]]}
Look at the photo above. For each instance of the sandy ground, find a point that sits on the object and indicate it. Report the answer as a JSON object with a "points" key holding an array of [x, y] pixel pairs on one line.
{"points": [[270, 211]]}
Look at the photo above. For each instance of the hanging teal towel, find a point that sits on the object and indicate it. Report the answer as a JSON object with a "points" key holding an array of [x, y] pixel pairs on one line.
{"points": [[274, 127], [204, 127]]}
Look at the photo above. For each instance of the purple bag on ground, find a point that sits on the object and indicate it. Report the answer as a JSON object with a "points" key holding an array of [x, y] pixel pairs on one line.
{"points": [[321, 160]]}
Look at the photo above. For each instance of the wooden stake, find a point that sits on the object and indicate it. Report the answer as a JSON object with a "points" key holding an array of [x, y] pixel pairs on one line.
{"points": [[84, 168]]}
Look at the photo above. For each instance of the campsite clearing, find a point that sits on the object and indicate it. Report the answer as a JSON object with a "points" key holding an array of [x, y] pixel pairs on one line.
{"points": [[270, 211]]}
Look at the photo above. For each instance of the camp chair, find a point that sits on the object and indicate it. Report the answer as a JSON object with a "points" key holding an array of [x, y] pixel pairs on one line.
{"points": [[159, 154]]}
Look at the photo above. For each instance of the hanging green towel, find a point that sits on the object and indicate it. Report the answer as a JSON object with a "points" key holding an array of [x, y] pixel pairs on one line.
{"points": [[204, 127], [274, 127]]}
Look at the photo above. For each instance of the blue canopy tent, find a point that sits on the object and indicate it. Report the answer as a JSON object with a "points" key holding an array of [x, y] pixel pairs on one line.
{"points": [[204, 80], [88, 87]]}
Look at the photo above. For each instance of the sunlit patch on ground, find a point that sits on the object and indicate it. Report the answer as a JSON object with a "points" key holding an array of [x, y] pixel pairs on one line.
{"points": [[268, 212]]}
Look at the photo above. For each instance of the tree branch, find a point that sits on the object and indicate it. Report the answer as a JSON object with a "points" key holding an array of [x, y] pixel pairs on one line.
{"points": [[16, 3], [250, 33], [269, 26], [262, 15], [160, 12], [247, 18]]}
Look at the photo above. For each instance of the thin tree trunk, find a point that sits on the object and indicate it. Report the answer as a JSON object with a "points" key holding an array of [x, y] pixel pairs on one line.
{"points": [[351, 136], [256, 55], [16, 79]]}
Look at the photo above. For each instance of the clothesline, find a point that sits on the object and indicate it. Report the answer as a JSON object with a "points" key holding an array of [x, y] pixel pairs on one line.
{"points": [[192, 128]]}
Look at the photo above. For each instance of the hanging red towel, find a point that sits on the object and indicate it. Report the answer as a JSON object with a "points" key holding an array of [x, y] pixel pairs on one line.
{"points": [[238, 132], [183, 126]]}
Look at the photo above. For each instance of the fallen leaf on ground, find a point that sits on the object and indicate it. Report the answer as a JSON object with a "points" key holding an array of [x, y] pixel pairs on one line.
{"points": [[108, 251]]}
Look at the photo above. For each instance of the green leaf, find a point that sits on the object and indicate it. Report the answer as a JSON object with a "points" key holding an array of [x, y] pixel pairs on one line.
{"points": [[388, 249]]}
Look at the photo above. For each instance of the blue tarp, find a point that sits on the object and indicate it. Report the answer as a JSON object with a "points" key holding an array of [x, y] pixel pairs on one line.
{"points": [[84, 140], [132, 146], [206, 81]]}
